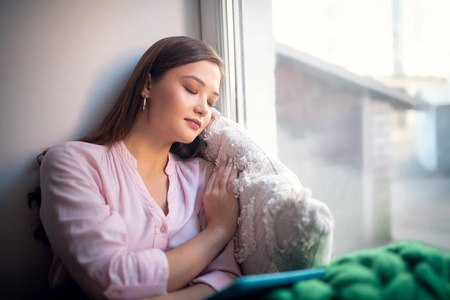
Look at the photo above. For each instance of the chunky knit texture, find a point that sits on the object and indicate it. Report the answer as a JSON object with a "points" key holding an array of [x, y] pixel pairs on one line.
{"points": [[399, 271], [281, 227]]}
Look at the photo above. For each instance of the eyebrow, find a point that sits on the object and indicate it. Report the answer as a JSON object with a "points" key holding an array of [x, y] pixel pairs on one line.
{"points": [[199, 81]]}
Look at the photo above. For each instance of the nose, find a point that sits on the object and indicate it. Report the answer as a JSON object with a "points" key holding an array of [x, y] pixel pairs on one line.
{"points": [[202, 108]]}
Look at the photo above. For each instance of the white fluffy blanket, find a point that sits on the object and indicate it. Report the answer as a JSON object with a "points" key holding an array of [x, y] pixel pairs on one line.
{"points": [[281, 227]]}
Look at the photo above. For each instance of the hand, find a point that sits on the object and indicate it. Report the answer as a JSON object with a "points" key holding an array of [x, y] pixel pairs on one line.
{"points": [[221, 211], [221, 205], [195, 291]]}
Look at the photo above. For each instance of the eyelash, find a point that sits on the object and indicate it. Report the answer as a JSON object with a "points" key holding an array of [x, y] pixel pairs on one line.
{"points": [[195, 93], [191, 91]]}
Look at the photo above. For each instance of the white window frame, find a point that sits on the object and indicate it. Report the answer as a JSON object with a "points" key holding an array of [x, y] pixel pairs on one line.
{"points": [[220, 29], [248, 95]]}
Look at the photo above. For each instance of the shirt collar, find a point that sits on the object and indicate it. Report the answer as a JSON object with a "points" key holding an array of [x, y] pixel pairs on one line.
{"points": [[123, 151]]}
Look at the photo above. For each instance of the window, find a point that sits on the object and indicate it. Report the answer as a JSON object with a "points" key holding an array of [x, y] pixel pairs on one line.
{"points": [[353, 97]]}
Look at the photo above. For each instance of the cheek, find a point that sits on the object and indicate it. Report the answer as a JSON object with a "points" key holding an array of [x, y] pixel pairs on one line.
{"points": [[175, 100], [167, 104], [165, 93], [207, 120], [169, 96]]}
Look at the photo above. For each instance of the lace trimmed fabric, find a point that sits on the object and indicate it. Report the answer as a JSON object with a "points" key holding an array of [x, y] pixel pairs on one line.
{"points": [[281, 227]]}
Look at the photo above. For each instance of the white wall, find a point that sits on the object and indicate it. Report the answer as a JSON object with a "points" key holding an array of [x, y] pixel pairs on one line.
{"points": [[62, 64]]}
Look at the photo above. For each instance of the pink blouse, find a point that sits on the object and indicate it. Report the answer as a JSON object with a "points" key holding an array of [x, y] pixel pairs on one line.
{"points": [[107, 231]]}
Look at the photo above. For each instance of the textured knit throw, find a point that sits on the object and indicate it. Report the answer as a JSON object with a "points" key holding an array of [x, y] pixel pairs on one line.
{"points": [[403, 270]]}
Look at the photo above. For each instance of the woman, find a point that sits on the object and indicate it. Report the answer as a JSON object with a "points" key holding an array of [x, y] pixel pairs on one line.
{"points": [[131, 211]]}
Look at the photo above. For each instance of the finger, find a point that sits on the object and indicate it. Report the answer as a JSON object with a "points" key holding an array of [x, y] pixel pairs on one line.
{"points": [[232, 178], [234, 172], [221, 166], [214, 180], [226, 173], [210, 183]]}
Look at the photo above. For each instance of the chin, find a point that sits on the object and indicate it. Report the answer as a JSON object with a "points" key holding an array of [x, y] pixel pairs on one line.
{"points": [[187, 140]]}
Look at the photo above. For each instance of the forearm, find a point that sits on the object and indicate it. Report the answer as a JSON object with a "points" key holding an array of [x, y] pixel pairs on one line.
{"points": [[221, 211], [189, 259], [194, 292]]}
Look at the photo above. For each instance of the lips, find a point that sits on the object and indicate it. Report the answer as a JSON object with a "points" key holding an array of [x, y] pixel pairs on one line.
{"points": [[194, 123]]}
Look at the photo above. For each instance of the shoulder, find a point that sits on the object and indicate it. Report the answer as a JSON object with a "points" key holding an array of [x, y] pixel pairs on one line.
{"points": [[194, 166], [74, 152], [200, 162]]}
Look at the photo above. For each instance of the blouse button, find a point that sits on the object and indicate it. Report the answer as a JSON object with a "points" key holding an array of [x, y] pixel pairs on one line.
{"points": [[163, 229]]}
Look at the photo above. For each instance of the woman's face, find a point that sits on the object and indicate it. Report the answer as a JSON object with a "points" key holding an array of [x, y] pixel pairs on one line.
{"points": [[180, 103]]}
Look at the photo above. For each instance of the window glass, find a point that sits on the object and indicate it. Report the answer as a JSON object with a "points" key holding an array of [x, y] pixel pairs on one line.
{"points": [[362, 105]]}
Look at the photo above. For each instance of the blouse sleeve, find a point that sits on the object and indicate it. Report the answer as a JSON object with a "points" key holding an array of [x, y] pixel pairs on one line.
{"points": [[90, 238], [223, 270]]}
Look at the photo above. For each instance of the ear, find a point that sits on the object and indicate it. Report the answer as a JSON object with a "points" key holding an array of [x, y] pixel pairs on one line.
{"points": [[147, 86]]}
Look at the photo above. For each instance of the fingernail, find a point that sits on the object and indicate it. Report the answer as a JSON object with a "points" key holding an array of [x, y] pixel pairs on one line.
{"points": [[230, 160]]}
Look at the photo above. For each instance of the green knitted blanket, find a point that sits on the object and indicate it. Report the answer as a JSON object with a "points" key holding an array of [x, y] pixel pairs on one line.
{"points": [[403, 270]]}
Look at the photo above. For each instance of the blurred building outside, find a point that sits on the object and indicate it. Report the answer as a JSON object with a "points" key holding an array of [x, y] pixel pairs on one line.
{"points": [[375, 149]]}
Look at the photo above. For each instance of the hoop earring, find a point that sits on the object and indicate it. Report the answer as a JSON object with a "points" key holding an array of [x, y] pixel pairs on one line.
{"points": [[145, 102]]}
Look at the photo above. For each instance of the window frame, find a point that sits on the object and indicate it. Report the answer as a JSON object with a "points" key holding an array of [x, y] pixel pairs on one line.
{"points": [[220, 27], [241, 32]]}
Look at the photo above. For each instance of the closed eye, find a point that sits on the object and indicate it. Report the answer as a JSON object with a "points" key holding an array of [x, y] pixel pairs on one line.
{"points": [[210, 103], [190, 91]]}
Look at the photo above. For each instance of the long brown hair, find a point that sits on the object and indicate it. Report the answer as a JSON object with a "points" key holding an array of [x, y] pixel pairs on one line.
{"points": [[165, 54]]}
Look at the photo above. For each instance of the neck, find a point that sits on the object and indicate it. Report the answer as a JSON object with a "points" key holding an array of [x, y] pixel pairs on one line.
{"points": [[151, 154]]}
